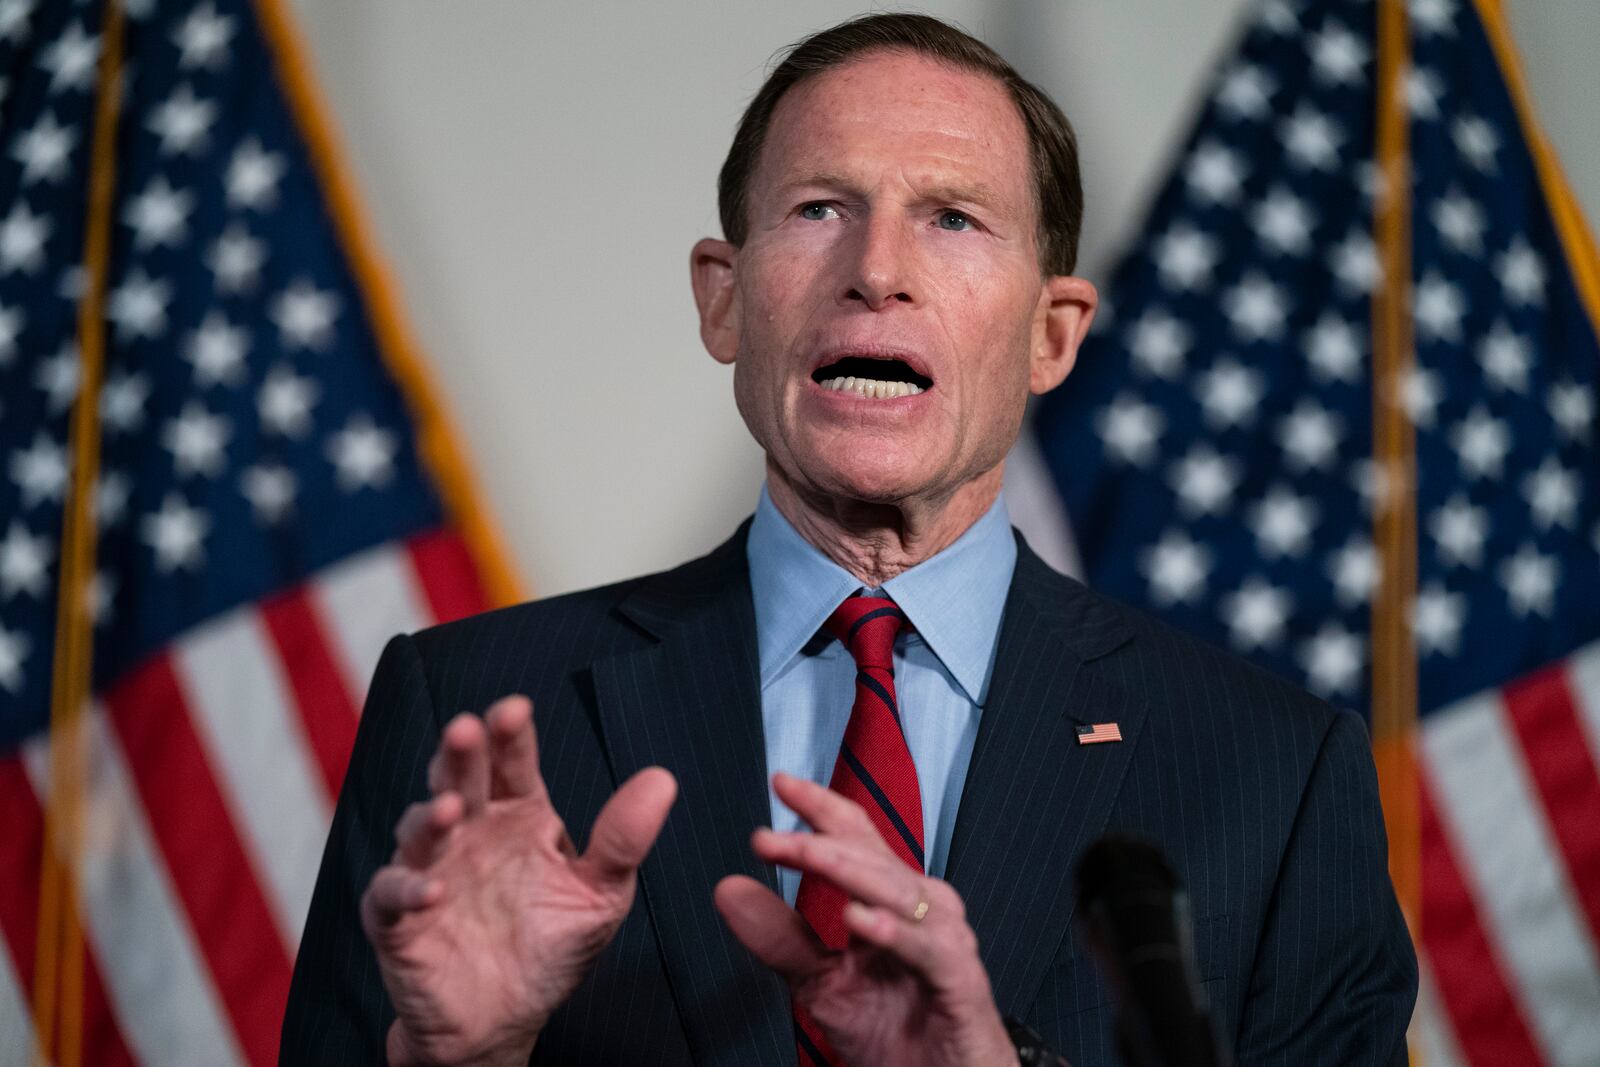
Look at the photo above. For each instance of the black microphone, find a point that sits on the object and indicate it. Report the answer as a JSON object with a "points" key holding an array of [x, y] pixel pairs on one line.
{"points": [[1134, 914]]}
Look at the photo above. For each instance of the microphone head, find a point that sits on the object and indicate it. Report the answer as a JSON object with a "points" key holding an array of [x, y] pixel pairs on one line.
{"points": [[1132, 910], [1134, 914], [1119, 865]]}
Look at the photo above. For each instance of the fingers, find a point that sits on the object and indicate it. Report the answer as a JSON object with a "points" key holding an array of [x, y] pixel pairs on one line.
{"points": [[424, 828], [938, 949], [462, 763], [823, 809], [628, 825], [513, 749], [774, 932], [867, 871], [394, 893], [496, 756], [919, 920]]}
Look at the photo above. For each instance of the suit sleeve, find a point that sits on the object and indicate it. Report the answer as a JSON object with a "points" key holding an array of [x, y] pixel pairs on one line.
{"points": [[338, 1012], [1335, 975]]}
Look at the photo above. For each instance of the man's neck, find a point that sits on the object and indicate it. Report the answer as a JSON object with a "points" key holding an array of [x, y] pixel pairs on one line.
{"points": [[874, 541]]}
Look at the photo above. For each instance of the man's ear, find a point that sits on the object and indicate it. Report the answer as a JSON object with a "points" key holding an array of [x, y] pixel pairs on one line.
{"points": [[1066, 308], [711, 273]]}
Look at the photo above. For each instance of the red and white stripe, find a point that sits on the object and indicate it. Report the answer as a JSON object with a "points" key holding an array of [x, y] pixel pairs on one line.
{"points": [[1431, 1037], [165, 1005], [242, 705], [16, 1022], [214, 768], [1511, 879], [365, 600]]}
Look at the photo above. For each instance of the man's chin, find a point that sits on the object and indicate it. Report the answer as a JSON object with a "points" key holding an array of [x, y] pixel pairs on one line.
{"points": [[873, 484]]}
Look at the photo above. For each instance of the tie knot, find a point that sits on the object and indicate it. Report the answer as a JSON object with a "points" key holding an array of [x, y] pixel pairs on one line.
{"points": [[867, 626]]}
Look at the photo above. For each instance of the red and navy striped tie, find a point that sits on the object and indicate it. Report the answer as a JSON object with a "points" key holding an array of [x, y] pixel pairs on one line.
{"points": [[875, 770]]}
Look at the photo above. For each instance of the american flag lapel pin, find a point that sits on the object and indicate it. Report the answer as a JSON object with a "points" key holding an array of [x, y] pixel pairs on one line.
{"points": [[1099, 732]]}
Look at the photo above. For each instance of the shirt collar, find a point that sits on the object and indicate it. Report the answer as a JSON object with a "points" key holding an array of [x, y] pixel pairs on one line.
{"points": [[954, 599]]}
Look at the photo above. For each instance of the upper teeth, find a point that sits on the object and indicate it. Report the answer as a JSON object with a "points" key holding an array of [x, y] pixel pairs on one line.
{"points": [[869, 388]]}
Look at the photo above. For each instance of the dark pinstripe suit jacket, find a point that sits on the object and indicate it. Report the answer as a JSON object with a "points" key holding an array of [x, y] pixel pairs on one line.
{"points": [[1264, 798]]}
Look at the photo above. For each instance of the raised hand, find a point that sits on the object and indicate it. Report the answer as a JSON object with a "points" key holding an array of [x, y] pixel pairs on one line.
{"points": [[486, 918], [909, 988]]}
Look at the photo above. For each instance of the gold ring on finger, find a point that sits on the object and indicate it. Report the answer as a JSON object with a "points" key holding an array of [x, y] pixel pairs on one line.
{"points": [[919, 912]]}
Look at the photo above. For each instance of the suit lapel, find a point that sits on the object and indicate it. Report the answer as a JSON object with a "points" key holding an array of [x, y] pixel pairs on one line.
{"points": [[1034, 797], [692, 703]]}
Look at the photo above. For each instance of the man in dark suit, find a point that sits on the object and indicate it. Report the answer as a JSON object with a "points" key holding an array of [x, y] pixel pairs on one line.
{"points": [[901, 213]]}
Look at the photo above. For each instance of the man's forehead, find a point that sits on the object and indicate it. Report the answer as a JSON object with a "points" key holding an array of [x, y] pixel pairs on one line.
{"points": [[947, 124]]}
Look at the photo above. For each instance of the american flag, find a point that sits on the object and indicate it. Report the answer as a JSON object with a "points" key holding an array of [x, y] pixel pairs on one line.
{"points": [[1099, 733], [276, 497], [1214, 450]]}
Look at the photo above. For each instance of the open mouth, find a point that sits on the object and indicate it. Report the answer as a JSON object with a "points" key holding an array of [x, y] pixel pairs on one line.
{"points": [[875, 379]]}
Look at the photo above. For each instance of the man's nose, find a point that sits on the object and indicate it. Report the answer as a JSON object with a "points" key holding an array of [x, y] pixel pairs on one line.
{"points": [[884, 267]]}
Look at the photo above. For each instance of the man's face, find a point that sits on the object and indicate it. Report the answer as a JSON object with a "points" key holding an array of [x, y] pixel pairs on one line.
{"points": [[892, 239]]}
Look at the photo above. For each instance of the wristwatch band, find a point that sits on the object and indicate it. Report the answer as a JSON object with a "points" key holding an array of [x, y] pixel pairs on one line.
{"points": [[1031, 1049]]}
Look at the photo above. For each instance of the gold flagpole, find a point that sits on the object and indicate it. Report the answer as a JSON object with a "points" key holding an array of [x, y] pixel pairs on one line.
{"points": [[1394, 660], [1394, 456], [59, 960]]}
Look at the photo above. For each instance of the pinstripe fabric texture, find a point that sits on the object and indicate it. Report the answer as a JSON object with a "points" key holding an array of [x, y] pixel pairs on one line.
{"points": [[1263, 797]]}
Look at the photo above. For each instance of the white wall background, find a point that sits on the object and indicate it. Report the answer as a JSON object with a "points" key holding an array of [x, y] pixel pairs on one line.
{"points": [[537, 172]]}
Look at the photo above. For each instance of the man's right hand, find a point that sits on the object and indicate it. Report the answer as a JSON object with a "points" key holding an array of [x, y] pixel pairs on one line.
{"points": [[486, 918]]}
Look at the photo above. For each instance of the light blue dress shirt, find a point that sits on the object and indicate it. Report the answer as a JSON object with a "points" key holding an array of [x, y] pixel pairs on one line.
{"points": [[942, 670]]}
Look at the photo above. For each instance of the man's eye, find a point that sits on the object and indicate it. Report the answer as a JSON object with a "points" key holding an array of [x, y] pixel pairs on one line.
{"points": [[817, 211], [954, 220]]}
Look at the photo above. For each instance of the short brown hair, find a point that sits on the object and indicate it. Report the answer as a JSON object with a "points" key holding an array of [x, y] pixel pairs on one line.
{"points": [[1058, 189]]}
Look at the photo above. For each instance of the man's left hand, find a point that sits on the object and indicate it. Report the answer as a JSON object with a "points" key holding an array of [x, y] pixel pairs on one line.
{"points": [[909, 988]]}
